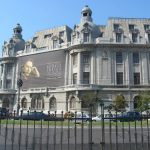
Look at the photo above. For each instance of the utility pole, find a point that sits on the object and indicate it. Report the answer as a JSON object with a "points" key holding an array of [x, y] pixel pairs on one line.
{"points": [[19, 85]]}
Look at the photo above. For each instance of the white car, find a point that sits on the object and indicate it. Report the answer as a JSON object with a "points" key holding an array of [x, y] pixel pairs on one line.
{"points": [[97, 118]]}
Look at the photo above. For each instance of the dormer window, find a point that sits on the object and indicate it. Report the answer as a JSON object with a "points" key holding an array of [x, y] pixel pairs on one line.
{"points": [[47, 36], [131, 27], [118, 33], [146, 27], [55, 44], [118, 37], [86, 37], [34, 38], [134, 33], [116, 26], [61, 34], [134, 37]]}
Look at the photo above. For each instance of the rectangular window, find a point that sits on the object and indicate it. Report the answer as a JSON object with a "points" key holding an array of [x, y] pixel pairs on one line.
{"points": [[119, 78], [86, 58], [75, 59], [86, 77], [134, 37], [86, 37], [75, 78], [146, 27], [47, 36], [119, 58], [136, 78], [148, 36], [118, 37], [9, 70], [55, 44], [2, 68], [116, 26], [135, 57], [131, 27], [8, 84], [61, 34]]}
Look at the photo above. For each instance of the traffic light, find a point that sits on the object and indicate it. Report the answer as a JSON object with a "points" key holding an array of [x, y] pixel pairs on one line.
{"points": [[19, 83]]}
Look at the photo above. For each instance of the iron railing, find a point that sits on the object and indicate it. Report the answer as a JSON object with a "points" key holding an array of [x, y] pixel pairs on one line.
{"points": [[74, 132]]}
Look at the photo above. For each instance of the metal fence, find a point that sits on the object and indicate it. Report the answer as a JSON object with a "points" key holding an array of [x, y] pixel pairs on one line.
{"points": [[72, 132]]}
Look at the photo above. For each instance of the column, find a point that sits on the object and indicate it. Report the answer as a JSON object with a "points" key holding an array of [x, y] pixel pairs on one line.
{"points": [[98, 66], [4, 77], [70, 70], [79, 72], [92, 69], [66, 68]]}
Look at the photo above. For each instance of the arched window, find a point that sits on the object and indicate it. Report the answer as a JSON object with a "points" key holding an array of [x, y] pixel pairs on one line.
{"points": [[6, 103], [73, 103], [24, 103], [52, 103], [37, 102]]}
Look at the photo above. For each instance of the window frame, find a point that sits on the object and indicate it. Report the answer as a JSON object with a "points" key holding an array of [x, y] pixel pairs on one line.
{"points": [[119, 78], [74, 78], [136, 77], [118, 37], [136, 59], [86, 37], [86, 77], [119, 59]]}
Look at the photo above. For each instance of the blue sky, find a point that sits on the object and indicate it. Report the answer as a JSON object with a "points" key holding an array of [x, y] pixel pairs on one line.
{"points": [[35, 15]]}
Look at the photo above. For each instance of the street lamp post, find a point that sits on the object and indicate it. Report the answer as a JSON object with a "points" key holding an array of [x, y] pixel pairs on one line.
{"points": [[19, 85], [102, 125]]}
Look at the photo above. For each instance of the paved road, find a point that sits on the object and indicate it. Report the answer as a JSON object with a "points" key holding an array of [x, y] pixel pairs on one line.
{"points": [[72, 138]]}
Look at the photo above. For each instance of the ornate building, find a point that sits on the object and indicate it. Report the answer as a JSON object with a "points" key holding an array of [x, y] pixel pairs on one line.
{"points": [[59, 66]]}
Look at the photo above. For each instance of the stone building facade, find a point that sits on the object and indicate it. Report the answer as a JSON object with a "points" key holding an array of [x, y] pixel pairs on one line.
{"points": [[59, 66]]}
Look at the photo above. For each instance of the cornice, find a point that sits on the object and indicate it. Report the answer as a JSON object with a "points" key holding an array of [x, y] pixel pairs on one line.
{"points": [[8, 59], [106, 45]]}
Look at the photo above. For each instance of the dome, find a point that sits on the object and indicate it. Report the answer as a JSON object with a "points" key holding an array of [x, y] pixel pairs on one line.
{"points": [[19, 43], [17, 29], [86, 9]]}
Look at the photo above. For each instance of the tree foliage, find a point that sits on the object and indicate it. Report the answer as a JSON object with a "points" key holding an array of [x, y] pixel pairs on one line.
{"points": [[143, 102], [119, 103], [88, 99]]}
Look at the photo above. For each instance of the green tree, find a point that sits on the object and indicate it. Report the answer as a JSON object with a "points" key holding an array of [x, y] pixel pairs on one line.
{"points": [[119, 103], [143, 103], [90, 98]]}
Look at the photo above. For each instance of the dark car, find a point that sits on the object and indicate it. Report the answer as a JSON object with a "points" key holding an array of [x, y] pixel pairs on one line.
{"points": [[4, 113], [128, 116], [38, 116]]}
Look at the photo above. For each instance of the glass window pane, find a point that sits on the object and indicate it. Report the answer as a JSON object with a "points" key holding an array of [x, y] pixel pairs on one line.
{"points": [[136, 57], [119, 77], [119, 57], [136, 78]]}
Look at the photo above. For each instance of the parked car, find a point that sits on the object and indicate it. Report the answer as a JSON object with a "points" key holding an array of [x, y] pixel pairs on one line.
{"points": [[4, 113], [97, 118], [38, 116], [107, 117], [128, 116], [80, 117]]}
